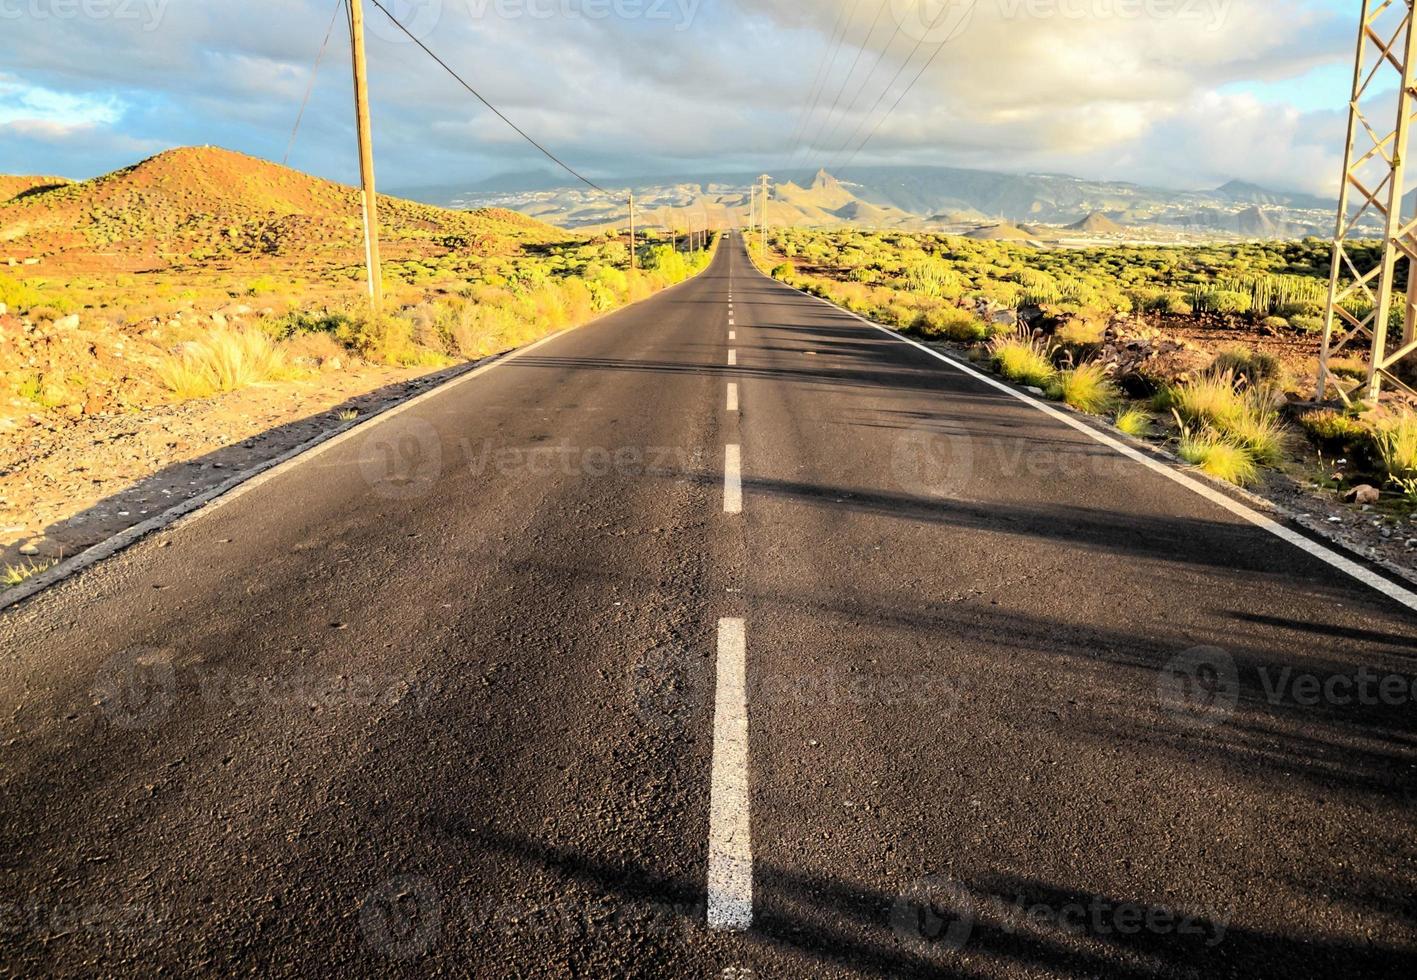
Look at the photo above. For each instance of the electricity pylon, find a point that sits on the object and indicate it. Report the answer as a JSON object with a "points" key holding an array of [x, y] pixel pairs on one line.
{"points": [[1361, 292]]}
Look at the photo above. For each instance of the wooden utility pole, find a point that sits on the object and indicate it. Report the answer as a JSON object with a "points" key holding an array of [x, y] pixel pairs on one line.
{"points": [[366, 155], [632, 229], [763, 215]]}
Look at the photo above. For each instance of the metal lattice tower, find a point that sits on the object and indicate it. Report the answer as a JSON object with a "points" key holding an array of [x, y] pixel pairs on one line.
{"points": [[1361, 294]]}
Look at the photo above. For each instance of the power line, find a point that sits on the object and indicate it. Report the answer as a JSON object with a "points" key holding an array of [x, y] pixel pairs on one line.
{"points": [[309, 89], [831, 68], [478, 95], [831, 124], [810, 106], [904, 92]]}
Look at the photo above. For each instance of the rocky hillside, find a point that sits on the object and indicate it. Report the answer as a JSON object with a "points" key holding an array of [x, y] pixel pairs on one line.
{"points": [[200, 203]]}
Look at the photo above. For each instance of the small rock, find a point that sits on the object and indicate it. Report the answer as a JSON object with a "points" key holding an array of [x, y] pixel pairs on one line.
{"points": [[1032, 390], [1363, 494], [70, 322], [30, 547]]}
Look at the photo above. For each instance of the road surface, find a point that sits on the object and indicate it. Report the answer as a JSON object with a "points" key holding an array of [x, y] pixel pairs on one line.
{"points": [[725, 637]]}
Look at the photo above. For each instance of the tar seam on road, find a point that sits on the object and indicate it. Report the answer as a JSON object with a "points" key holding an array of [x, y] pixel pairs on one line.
{"points": [[732, 397], [732, 480], [1327, 555], [730, 853]]}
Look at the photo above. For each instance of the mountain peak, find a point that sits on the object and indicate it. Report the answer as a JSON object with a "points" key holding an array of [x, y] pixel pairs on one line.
{"points": [[824, 181]]}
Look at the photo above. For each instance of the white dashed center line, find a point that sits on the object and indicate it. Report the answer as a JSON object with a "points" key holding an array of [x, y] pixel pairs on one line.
{"points": [[732, 480], [732, 397], [733, 335], [732, 358], [730, 854]]}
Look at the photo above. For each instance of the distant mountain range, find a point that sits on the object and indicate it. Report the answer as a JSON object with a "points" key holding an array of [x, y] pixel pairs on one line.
{"points": [[917, 198]]}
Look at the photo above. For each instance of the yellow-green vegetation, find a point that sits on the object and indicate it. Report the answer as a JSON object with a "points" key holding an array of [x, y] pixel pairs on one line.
{"points": [[1254, 367], [1333, 430], [1023, 360], [1135, 422], [950, 323], [1242, 415], [1212, 453], [224, 360], [1087, 387], [15, 574], [1255, 280], [1396, 444]]}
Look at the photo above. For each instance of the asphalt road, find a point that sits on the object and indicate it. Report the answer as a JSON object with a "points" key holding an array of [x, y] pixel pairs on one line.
{"points": [[540, 677]]}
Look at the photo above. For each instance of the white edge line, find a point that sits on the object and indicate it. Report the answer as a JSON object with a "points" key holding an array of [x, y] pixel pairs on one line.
{"points": [[1346, 565], [730, 849], [732, 479], [216, 497]]}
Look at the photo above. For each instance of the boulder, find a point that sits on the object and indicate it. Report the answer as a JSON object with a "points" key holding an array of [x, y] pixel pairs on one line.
{"points": [[70, 322]]}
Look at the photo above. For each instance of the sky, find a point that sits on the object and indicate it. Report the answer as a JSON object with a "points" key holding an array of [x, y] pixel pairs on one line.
{"points": [[1174, 93]]}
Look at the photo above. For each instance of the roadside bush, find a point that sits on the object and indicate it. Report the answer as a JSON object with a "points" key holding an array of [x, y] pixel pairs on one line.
{"points": [[1212, 453], [1088, 388], [1133, 421], [1396, 443], [783, 271], [951, 323], [1254, 367], [18, 295], [225, 360], [1023, 361], [1332, 430]]}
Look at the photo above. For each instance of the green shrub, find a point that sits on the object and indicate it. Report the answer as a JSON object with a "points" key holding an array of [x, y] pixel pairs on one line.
{"points": [[1332, 430], [1252, 366], [1133, 421], [18, 295], [1088, 388], [951, 323], [1023, 361], [1396, 443], [783, 271], [1212, 453]]}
